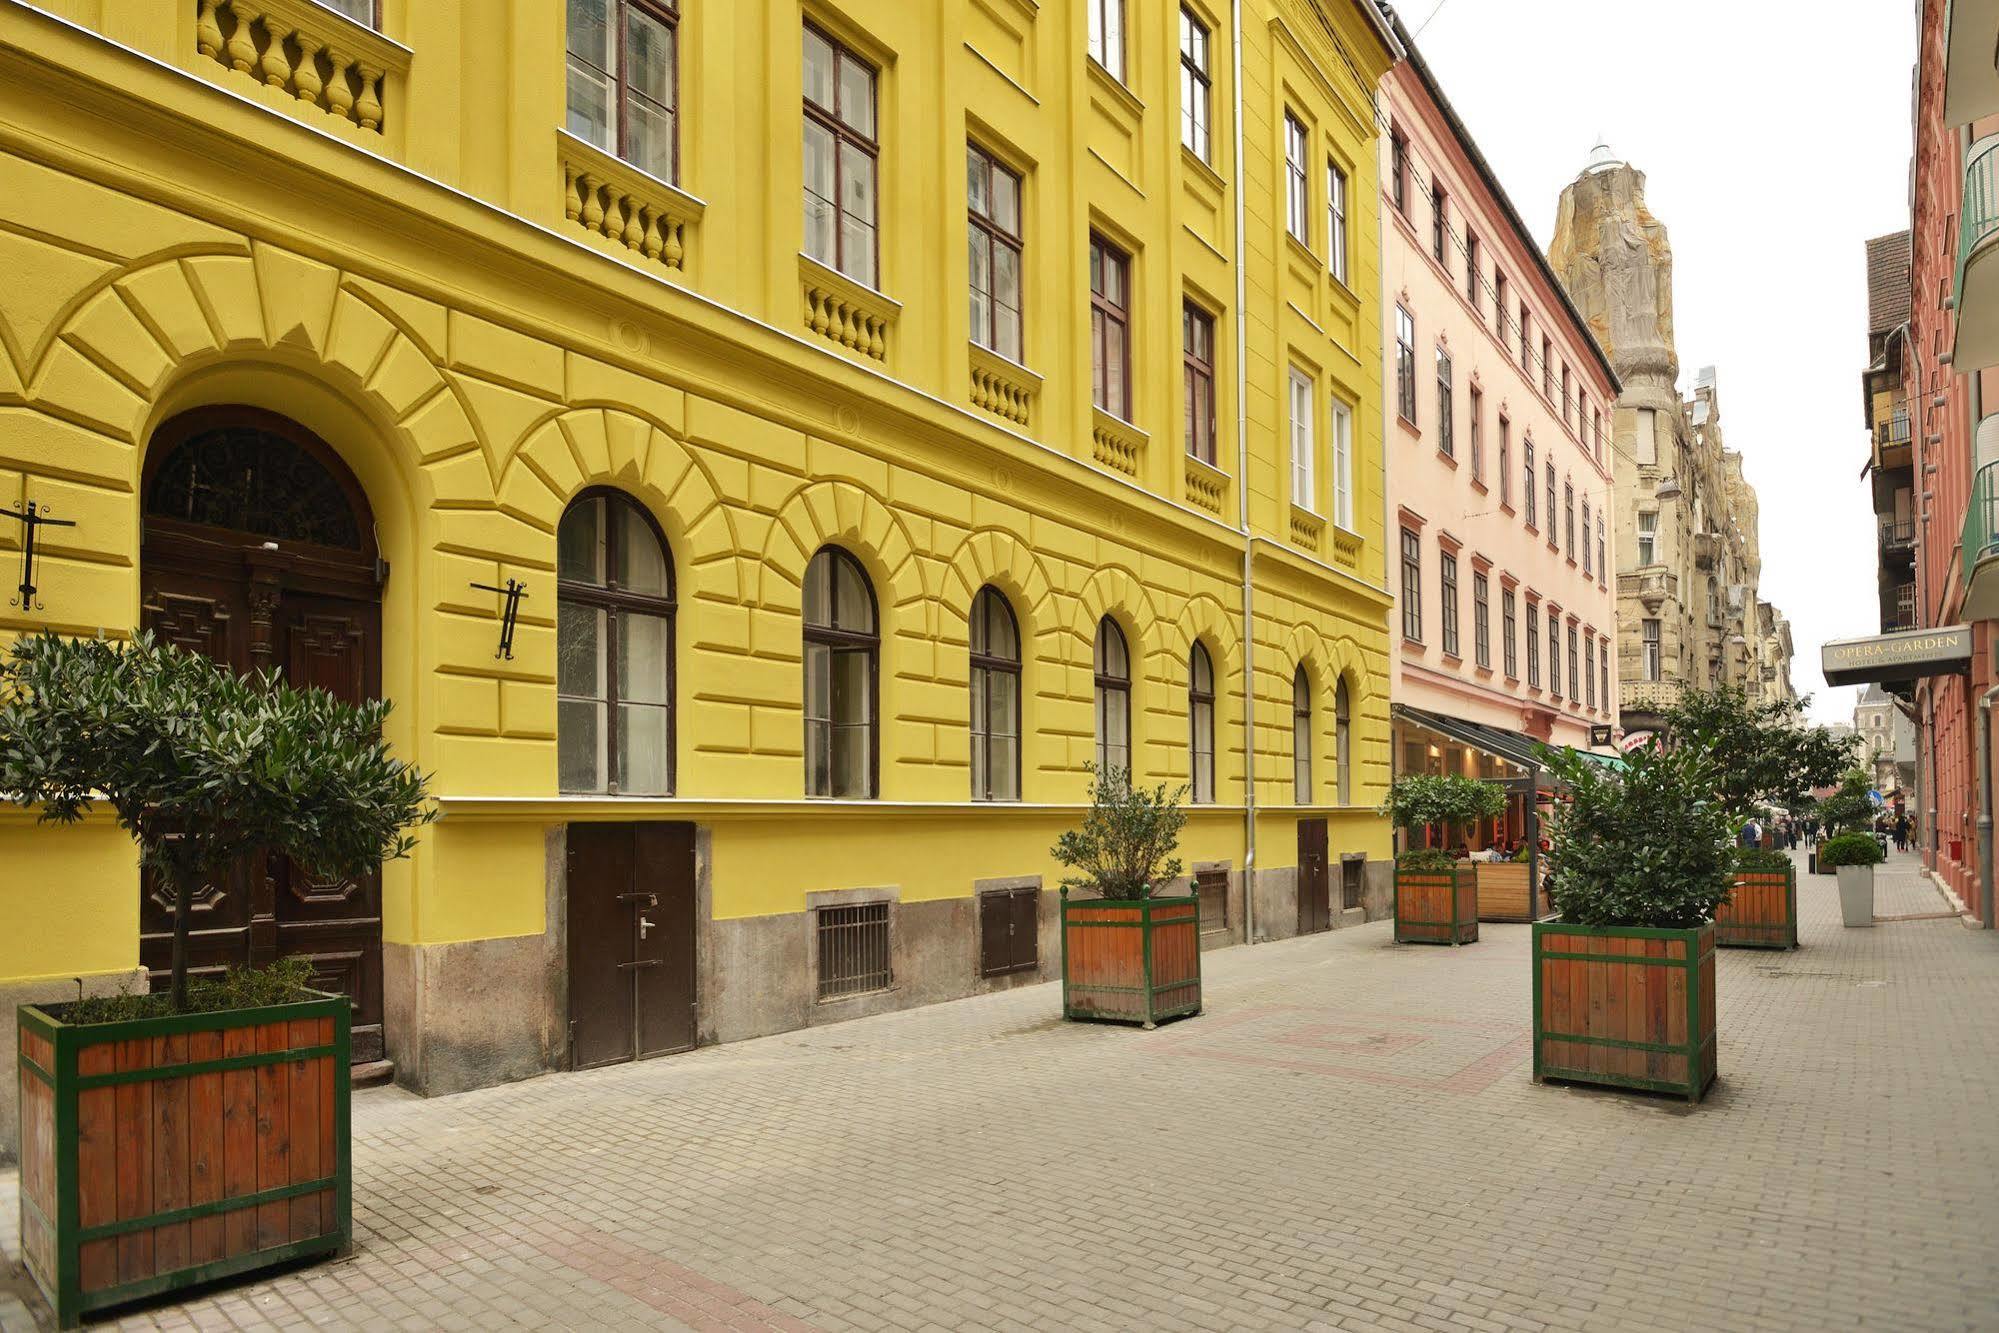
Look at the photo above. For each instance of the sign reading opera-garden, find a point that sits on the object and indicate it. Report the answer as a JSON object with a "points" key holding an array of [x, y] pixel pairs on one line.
{"points": [[1906, 655]]}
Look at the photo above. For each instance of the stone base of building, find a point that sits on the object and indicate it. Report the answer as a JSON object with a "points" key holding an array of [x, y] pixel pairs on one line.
{"points": [[43, 990]]}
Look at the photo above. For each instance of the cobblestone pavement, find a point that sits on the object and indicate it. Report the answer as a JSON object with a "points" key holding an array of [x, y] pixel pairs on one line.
{"points": [[1347, 1138]]}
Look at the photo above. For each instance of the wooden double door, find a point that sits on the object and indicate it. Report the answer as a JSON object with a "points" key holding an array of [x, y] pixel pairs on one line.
{"points": [[258, 552], [1315, 885], [631, 941]]}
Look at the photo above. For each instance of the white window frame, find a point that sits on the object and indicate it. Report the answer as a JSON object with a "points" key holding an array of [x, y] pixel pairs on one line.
{"points": [[1336, 221], [1297, 185], [1107, 36], [1343, 465], [1304, 461]]}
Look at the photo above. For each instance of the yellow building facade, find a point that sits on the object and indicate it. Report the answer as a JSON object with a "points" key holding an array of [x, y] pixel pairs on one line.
{"points": [[316, 327]]}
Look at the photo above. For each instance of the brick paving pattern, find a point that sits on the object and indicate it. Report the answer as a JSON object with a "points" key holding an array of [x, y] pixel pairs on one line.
{"points": [[1348, 1138]]}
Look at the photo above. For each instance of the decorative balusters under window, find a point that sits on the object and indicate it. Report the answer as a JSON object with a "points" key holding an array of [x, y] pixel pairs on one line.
{"points": [[319, 56]]}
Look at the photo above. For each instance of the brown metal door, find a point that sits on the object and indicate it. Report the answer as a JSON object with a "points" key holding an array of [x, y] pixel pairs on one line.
{"points": [[631, 941], [1315, 902]]}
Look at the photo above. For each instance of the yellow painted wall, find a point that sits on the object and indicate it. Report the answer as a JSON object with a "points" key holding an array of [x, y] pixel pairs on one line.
{"points": [[178, 233]]}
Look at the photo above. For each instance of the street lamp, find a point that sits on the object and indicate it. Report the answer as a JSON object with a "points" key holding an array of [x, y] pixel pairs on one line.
{"points": [[1669, 489]]}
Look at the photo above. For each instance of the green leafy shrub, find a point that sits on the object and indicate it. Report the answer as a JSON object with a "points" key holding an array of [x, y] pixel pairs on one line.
{"points": [[1644, 845], [200, 765], [1442, 798], [1851, 849], [1764, 749], [1850, 809], [1761, 859], [1125, 847], [286, 981], [1426, 858]]}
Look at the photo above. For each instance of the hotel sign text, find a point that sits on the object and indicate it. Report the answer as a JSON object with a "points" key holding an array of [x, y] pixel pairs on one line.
{"points": [[1904, 656]]}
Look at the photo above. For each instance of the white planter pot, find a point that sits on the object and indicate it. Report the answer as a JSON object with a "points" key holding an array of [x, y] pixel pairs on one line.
{"points": [[1856, 895]]}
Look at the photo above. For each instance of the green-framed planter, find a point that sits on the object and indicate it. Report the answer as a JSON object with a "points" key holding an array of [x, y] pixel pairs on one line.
{"points": [[1625, 1007], [1760, 912], [1131, 961], [164, 1152], [1436, 906]]}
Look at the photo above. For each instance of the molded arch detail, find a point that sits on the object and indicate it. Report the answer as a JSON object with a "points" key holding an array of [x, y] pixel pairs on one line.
{"points": [[840, 513], [996, 558]]}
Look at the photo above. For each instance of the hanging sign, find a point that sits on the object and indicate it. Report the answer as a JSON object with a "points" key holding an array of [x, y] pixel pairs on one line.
{"points": [[1907, 655]]}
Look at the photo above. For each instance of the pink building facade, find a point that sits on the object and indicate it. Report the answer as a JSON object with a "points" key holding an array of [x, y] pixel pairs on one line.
{"points": [[1499, 476]]}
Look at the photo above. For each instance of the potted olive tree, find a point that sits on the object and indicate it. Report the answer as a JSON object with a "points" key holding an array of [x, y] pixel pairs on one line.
{"points": [[1436, 894], [200, 766], [1624, 981], [1128, 954], [1852, 857]]}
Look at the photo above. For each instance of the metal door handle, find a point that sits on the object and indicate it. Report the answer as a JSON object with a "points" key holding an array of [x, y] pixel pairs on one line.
{"points": [[644, 926]]}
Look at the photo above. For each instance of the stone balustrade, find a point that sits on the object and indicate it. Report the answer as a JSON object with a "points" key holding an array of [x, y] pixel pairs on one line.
{"points": [[1117, 444], [1307, 529], [837, 308], [1207, 487], [626, 206], [1003, 388], [323, 59]]}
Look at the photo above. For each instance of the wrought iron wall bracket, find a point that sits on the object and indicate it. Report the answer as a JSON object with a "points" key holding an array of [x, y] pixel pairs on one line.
{"points": [[31, 519], [514, 591]]}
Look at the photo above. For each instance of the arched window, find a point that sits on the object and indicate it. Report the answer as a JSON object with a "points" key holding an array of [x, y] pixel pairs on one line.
{"points": [[1343, 742], [995, 699], [1201, 722], [842, 648], [614, 649], [1301, 737], [1113, 699]]}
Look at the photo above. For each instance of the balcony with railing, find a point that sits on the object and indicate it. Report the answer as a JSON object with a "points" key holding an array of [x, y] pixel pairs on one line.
{"points": [[1898, 540], [1898, 608], [1893, 437], [1977, 285], [1979, 558]]}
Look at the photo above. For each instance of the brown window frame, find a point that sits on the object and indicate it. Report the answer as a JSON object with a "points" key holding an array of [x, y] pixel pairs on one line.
{"points": [[1197, 699], [665, 12], [1412, 585], [1398, 166], [1481, 619], [1195, 373], [836, 638], [992, 664], [1447, 602], [1106, 255], [1509, 624], [1203, 85], [1108, 688], [998, 237], [617, 603], [1303, 789], [829, 119]]}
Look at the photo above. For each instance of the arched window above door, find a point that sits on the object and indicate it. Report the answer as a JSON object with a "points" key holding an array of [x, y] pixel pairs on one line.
{"points": [[614, 649], [245, 470]]}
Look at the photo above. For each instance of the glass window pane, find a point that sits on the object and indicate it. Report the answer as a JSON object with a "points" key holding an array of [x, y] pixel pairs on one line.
{"points": [[1004, 766], [854, 605], [643, 752], [641, 559], [978, 177], [589, 116], [1003, 639], [590, 31], [642, 658], [579, 543], [851, 758], [818, 70], [1003, 704], [819, 590], [978, 267], [1006, 201], [579, 650], [579, 730], [818, 682], [852, 687], [857, 96], [1006, 276], [649, 56], [1006, 332], [649, 129], [857, 183], [818, 759], [857, 251]]}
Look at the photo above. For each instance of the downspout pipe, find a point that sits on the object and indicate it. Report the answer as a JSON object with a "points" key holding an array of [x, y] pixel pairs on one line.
{"points": [[1242, 499], [1985, 702]]}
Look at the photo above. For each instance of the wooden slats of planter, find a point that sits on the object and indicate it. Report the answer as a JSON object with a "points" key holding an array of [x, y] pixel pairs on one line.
{"points": [[1505, 891], [1625, 1006], [1436, 906], [164, 1152], [1760, 912], [1131, 962]]}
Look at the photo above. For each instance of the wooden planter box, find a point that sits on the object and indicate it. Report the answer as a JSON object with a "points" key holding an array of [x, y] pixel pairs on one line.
{"points": [[1131, 961], [1505, 891], [1760, 912], [164, 1152], [1436, 906], [1625, 1006]]}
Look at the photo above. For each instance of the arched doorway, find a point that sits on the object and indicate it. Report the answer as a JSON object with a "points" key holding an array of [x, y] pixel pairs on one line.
{"points": [[259, 551]]}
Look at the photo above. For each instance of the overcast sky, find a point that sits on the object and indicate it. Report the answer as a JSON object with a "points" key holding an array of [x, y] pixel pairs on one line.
{"points": [[1774, 139]]}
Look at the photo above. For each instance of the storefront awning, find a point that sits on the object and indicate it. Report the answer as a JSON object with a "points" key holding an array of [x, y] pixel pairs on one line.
{"points": [[1512, 746]]}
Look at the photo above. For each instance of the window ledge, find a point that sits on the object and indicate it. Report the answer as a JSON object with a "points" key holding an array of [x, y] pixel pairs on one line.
{"points": [[1116, 443], [1409, 427], [1113, 85], [1003, 386], [1450, 460], [1478, 484], [1307, 528], [349, 49], [1205, 171], [1207, 486], [607, 195], [850, 313]]}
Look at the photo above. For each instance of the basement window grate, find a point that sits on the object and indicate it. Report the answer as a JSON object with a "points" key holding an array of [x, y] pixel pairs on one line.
{"points": [[853, 950]]}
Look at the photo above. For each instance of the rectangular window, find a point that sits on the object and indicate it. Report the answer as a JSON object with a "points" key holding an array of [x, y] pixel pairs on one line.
{"points": [[1481, 620], [363, 12], [1602, 564], [1297, 191], [1533, 646], [1398, 171], [1447, 565], [1304, 470], [840, 157], [1476, 405], [1589, 669], [1573, 695], [1107, 35], [1509, 632], [1440, 226], [1586, 560], [1196, 85], [1547, 367], [1471, 273], [1569, 518], [1527, 478], [1197, 338], [1648, 539], [1405, 365], [1647, 443], [1548, 469], [853, 946], [624, 77], [1505, 461], [1567, 401], [992, 208], [1412, 586], [1499, 304], [1554, 654], [1526, 354], [1596, 431], [1343, 465], [1447, 412], [1110, 328], [1603, 673], [1336, 221]]}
